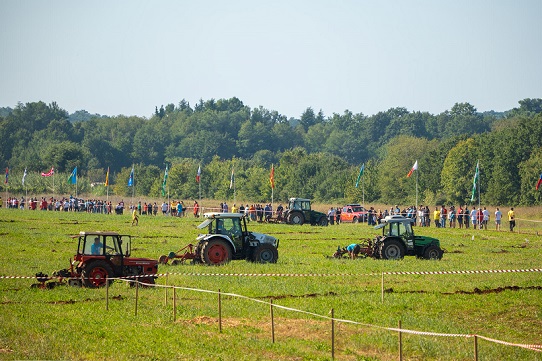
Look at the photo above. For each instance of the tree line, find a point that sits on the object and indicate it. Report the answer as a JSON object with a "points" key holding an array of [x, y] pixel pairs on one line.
{"points": [[314, 156]]}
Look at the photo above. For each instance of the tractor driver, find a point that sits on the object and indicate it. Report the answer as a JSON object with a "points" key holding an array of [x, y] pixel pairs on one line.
{"points": [[96, 248]]}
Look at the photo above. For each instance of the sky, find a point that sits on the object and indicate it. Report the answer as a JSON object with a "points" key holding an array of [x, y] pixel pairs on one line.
{"points": [[129, 56]]}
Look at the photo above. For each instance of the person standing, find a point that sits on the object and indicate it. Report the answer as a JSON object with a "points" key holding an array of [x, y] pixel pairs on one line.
{"points": [[498, 217], [486, 217], [196, 209], [436, 217], [512, 219], [473, 217]]}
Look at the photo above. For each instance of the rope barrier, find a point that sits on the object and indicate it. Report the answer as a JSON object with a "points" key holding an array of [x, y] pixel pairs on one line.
{"points": [[191, 274], [532, 347]]}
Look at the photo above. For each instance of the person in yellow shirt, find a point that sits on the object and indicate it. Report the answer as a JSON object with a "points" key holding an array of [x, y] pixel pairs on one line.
{"points": [[512, 219], [135, 218], [234, 209], [436, 217]]}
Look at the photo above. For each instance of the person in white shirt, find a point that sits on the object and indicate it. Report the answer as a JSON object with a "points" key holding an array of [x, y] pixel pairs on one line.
{"points": [[486, 218], [498, 217]]}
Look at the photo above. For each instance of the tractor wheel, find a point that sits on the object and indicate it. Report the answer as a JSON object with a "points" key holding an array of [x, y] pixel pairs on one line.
{"points": [[215, 252], [432, 252], [296, 218], [322, 222], [95, 274], [392, 249], [265, 253]]}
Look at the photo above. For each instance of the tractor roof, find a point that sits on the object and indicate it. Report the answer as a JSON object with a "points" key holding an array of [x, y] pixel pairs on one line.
{"points": [[211, 216], [97, 233], [393, 219]]}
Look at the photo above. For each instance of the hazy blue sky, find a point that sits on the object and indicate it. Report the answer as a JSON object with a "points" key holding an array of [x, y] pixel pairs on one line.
{"points": [[128, 56]]}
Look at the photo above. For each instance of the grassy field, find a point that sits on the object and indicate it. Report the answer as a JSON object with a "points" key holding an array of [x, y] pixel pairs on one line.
{"points": [[73, 324]]}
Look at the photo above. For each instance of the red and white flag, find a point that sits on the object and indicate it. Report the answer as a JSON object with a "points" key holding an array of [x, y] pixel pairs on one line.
{"points": [[51, 172], [414, 167], [198, 175]]}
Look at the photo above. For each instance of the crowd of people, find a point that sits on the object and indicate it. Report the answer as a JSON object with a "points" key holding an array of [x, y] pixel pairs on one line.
{"points": [[441, 216]]}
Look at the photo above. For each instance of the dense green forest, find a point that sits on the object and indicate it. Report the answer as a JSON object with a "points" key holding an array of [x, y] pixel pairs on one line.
{"points": [[314, 156]]}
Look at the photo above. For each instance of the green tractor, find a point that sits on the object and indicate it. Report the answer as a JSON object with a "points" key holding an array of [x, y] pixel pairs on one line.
{"points": [[299, 212], [398, 240]]}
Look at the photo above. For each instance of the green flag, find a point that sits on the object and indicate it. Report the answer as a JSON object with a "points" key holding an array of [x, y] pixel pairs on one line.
{"points": [[73, 177], [362, 169], [475, 181], [164, 183]]}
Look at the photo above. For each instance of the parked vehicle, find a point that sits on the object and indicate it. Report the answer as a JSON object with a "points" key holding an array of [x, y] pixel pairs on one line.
{"points": [[353, 213]]}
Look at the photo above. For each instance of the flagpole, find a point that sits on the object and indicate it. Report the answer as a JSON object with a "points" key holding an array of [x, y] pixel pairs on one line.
{"points": [[363, 189], [416, 191], [479, 181]]}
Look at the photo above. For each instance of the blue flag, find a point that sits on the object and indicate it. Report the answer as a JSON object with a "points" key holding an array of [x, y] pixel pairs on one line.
{"points": [[73, 177], [131, 179]]}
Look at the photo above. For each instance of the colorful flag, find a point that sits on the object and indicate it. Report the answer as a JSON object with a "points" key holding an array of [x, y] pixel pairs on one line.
{"points": [[539, 182], [7, 175], [164, 183], [272, 176], [198, 174], [24, 176], [51, 172], [361, 170], [231, 179], [73, 177], [414, 167], [475, 181], [107, 177], [131, 179]]}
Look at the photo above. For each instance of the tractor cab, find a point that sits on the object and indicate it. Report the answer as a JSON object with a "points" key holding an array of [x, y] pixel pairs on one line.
{"points": [[103, 244]]}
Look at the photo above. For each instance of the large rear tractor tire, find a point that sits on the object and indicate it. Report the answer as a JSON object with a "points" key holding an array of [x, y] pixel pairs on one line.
{"points": [[433, 253], [296, 218], [392, 249], [96, 274], [215, 252], [265, 253]]}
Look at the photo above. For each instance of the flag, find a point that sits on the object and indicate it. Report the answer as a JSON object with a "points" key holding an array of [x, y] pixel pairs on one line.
{"points": [[51, 172], [131, 179], [7, 175], [414, 167], [231, 179], [272, 176], [164, 183], [361, 170], [24, 176], [107, 177], [539, 182], [475, 181], [73, 177], [198, 174]]}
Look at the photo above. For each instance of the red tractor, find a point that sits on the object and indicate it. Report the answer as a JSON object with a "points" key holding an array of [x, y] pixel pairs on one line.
{"points": [[103, 255]]}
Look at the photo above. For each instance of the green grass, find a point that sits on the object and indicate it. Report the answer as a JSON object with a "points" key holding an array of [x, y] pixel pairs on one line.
{"points": [[73, 323]]}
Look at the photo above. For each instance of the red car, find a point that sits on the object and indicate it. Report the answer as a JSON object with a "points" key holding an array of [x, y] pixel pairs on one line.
{"points": [[353, 213]]}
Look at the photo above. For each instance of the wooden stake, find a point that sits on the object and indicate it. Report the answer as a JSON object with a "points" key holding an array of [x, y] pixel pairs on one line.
{"points": [[106, 294], [219, 312], [165, 291], [137, 297], [400, 342], [382, 288], [174, 305], [272, 321], [475, 348], [332, 334]]}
